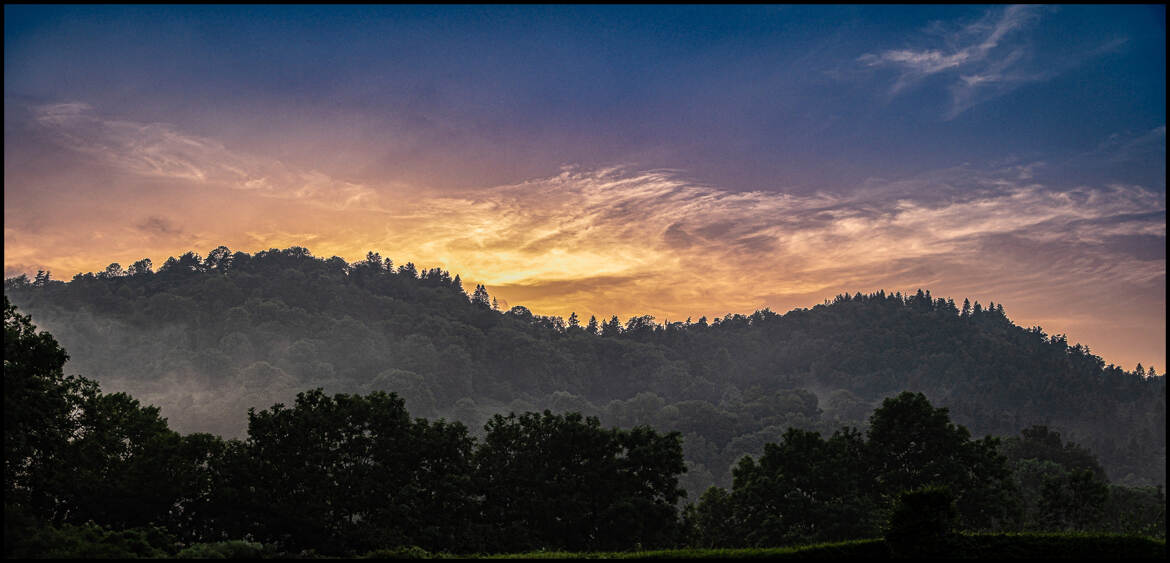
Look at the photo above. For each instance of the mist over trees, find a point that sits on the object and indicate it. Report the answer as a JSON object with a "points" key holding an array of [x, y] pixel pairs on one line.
{"points": [[205, 339], [341, 474], [90, 474]]}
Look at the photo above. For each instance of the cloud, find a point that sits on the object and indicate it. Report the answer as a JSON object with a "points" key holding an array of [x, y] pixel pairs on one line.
{"points": [[976, 43], [160, 150], [159, 226], [1142, 247], [658, 230], [677, 238], [623, 242], [1123, 148], [15, 270], [630, 242], [983, 60]]}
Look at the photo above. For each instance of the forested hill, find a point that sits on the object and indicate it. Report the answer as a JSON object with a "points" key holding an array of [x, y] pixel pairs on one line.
{"points": [[207, 338]]}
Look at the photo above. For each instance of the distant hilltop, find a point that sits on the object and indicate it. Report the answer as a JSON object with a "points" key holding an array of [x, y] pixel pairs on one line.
{"points": [[205, 338]]}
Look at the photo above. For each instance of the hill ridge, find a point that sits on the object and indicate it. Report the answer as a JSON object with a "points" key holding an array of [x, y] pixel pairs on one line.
{"points": [[204, 338]]}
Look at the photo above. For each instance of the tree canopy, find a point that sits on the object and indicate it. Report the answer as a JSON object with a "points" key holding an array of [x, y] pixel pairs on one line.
{"points": [[206, 338], [347, 474]]}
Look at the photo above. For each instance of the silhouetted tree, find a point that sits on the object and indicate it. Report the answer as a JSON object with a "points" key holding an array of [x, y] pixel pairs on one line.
{"points": [[374, 260], [563, 482], [347, 474], [141, 267], [480, 296], [40, 403], [922, 523], [805, 490], [912, 444], [112, 271], [611, 328], [219, 258]]}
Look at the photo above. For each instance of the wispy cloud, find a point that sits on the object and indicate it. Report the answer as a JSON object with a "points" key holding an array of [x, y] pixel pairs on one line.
{"points": [[626, 241], [160, 150], [1126, 147], [654, 241], [159, 226], [983, 60]]}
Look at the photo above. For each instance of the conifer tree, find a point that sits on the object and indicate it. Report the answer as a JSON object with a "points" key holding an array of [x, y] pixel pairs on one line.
{"points": [[480, 297], [611, 328]]}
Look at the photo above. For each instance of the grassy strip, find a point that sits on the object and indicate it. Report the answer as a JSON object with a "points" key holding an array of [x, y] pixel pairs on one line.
{"points": [[966, 546], [853, 548], [1060, 546]]}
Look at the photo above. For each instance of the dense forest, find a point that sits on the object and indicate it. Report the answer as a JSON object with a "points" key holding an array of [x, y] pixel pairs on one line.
{"points": [[93, 474], [207, 338]]}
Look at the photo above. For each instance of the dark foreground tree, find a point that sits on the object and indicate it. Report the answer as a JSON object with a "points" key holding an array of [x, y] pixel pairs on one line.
{"points": [[805, 489], [123, 469], [73, 454], [41, 406], [346, 474], [911, 445], [1062, 486], [564, 482], [712, 522], [217, 492], [922, 523]]}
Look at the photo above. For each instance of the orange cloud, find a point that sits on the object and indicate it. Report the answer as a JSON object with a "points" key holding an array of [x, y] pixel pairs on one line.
{"points": [[616, 241]]}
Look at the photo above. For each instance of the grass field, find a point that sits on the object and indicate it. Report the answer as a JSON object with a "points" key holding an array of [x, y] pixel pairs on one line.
{"points": [[965, 546]]}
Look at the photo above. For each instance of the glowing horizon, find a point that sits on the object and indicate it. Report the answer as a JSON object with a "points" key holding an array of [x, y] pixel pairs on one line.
{"points": [[681, 250], [680, 162]]}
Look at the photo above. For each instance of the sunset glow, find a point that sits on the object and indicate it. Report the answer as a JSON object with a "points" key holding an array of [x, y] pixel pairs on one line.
{"points": [[719, 161]]}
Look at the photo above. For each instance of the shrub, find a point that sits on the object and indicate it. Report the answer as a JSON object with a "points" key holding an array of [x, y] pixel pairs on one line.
{"points": [[234, 549], [89, 541], [922, 523], [411, 552]]}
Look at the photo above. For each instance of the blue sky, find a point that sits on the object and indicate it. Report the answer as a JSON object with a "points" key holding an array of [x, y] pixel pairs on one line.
{"points": [[822, 115], [746, 97]]}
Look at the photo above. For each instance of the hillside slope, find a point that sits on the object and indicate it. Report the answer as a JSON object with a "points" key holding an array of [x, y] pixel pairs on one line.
{"points": [[207, 338]]}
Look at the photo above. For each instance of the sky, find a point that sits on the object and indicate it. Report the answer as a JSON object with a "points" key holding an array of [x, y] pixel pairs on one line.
{"points": [[615, 160]]}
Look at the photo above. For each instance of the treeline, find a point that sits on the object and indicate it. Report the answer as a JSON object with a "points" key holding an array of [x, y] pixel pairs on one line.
{"points": [[206, 338], [807, 489], [348, 474], [341, 475]]}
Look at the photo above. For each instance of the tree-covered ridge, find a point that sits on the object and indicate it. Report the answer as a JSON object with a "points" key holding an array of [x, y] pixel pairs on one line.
{"points": [[341, 474], [348, 474], [206, 338]]}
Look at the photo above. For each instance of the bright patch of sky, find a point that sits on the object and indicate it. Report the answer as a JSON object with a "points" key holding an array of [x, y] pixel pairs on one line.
{"points": [[590, 158]]}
